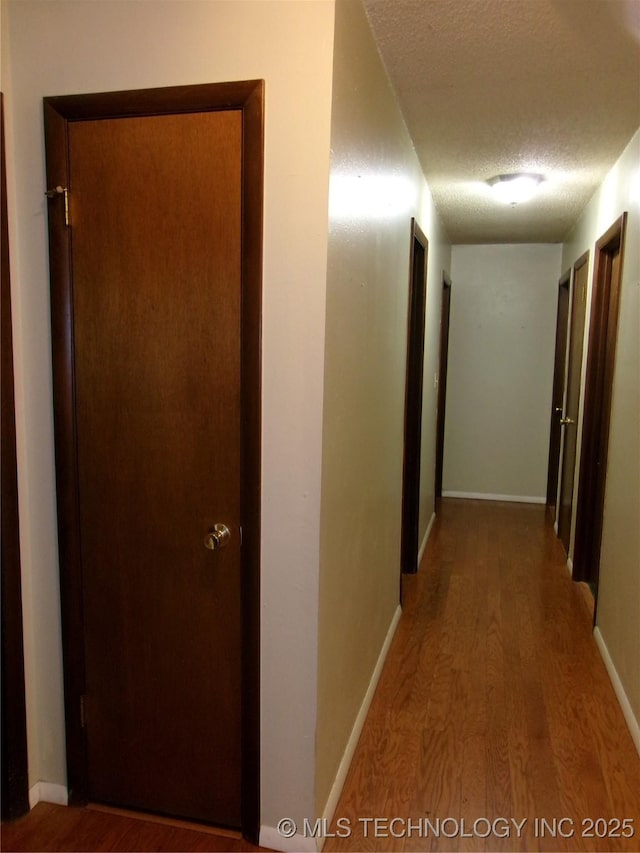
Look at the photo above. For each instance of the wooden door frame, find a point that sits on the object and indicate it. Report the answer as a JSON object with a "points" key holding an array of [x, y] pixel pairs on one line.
{"points": [[559, 377], [603, 325], [581, 263], [442, 383], [413, 404], [247, 97], [15, 775]]}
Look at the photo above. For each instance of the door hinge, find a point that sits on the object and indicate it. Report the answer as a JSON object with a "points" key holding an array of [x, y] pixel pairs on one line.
{"points": [[83, 719], [63, 191]]}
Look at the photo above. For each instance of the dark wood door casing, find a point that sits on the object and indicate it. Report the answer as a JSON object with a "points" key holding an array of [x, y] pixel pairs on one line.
{"points": [[557, 396], [442, 380], [577, 318], [603, 333], [413, 399], [247, 98]]}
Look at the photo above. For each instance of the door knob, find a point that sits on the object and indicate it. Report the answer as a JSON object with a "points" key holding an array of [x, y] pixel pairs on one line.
{"points": [[566, 421], [217, 538]]}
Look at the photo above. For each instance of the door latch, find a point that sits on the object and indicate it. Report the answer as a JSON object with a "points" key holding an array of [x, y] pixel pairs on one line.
{"points": [[63, 191]]}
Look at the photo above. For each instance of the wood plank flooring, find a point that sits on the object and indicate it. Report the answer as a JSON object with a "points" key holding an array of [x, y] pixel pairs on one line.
{"points": [[58, 828], [494, 704]]}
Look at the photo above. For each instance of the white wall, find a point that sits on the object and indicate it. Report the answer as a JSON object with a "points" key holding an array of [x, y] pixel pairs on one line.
{"points": [[618, 615], [500, 369], [65, 46], [376, 187]]}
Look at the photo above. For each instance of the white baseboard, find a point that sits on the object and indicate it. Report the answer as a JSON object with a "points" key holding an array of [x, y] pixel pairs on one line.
{"points": [[272, 839], [555, 527], [627, 710], [269, 835], [48, 792], [426, 538], [482, 496], [356, 731], [570, 565]]}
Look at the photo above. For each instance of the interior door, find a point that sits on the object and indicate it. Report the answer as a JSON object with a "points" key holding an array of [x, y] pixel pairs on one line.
{"points": [[442, 381], [603, 335], [155, 210], [557, 396], [413, 399], [570, 419]]}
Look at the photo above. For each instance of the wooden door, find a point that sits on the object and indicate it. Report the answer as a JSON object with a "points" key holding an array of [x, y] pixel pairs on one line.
{"points": [[413, 399], [603, 335], [572, 404], [155, 208], [442, 380], [557, 396]]}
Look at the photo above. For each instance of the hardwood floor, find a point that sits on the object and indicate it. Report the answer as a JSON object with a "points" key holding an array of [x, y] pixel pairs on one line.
{"points": [[494, 704], [58, 828], [493, 707]]}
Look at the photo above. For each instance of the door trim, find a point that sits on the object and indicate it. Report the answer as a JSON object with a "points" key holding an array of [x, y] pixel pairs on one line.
{"points": [[413, 403], [445, 314], [603, 333], [248, 97], [559, 385], [566, 467]]}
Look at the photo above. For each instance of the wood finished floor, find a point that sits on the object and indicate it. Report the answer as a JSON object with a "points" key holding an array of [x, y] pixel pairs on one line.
{"points": [[494, 703], [58, 828]]}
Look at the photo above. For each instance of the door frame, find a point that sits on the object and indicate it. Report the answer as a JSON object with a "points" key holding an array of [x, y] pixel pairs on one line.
{"points": [[445, 314], [603, 334], [413, 402], [247, 97], [564, 522], [559, 390]]}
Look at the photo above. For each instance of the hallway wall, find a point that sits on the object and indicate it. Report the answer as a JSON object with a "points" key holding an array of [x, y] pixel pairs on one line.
{"points": [[376, 187], [501, 350], [67, 46], [618, 617]]}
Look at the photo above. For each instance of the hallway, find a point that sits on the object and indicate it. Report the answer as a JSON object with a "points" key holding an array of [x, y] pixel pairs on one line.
{"points": [[494, 703]]}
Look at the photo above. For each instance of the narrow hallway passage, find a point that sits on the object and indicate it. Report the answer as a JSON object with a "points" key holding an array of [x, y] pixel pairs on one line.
{"points": [[494, 703]]}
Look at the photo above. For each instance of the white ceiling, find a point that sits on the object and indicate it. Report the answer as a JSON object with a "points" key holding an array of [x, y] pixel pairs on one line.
{"points": [[495, 86]]}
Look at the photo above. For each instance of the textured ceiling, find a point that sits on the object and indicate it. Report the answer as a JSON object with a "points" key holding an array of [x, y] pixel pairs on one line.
{"points": [[495, 86]]}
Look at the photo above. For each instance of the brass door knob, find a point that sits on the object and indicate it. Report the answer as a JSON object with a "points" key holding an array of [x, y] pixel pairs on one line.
{"points": [[217, 538], [566, 421]]}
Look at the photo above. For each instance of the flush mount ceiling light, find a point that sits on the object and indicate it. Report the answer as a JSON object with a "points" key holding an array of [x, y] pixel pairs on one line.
{"points": [[516, 188]]}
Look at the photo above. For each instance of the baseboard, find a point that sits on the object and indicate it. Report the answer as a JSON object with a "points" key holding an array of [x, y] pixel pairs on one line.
{"points": [[356, 731], [627, 710], [555, 527], [426, 538], [570, 565], [269, 835], [482, 496], [48, 792], [297, 843]]}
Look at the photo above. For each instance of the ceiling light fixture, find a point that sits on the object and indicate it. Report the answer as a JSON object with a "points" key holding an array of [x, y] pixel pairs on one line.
{"points": [[513, 189]]}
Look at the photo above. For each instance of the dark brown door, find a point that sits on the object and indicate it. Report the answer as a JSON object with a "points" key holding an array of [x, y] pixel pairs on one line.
{"points": [[442, 380], [572, 405], [557, 397], [156, 207], [603, 334], [413, 399]]}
